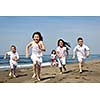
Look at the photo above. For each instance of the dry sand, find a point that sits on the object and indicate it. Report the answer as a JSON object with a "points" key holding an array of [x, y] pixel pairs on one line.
{"points": [[91, 74]]}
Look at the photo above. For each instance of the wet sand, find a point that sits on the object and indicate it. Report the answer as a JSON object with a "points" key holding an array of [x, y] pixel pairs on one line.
{"points": [[91, 74]]}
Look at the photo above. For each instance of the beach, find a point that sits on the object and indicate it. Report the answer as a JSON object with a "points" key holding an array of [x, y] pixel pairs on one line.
{"points": [[49, 74]]}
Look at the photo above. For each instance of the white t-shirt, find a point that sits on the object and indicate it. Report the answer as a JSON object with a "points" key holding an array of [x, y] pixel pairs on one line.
{"points": [[53, 56], [35, 50], [81, 51], [61, 51], [13, 56]]}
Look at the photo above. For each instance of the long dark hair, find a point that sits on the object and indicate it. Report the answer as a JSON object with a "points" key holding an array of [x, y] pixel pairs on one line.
{"points": [[40, 36], [65, 44]]}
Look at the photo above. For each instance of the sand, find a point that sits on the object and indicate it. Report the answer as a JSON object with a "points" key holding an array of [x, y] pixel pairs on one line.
{"points": [[91, 74]]}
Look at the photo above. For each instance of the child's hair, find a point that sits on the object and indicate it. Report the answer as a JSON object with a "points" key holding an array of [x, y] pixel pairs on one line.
{"points": [[53, 51], [65, 44], [40, 36], [13, 46], [80, 38]]}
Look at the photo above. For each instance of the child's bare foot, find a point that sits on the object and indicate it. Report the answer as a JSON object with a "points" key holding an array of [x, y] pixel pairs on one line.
{"points": [[14, 76], [80, 71], [38, 78], [10, 74], [61, 73], [34, 76]]}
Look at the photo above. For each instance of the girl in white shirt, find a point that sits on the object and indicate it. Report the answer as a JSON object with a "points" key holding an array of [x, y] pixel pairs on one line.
{"points": [[82, 51], [38, 47], [14, 57], [62, 53], [53, 58]]}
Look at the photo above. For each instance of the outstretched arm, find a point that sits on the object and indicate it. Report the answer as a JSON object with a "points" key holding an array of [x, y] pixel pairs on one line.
{"points": [[74, 53], [67, 53], [5, 55], [88, 53], [27, 49], [73, 56]]}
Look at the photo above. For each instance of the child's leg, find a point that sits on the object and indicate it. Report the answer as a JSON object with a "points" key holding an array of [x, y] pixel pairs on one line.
{"points": [[11, 70], [63, 61], [34, 71], [60, 66], [10, 73], [80, 64], [64, 67], [38, 72], [14, 70], [80, 67]]}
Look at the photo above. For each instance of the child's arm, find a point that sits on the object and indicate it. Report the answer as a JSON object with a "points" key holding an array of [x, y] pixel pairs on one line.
{"points": [[5, 55], [17, 57], [73, 56], [59, 55], [27, 47], [88, 53], [42, 46], [67, 53], [74, 53]]}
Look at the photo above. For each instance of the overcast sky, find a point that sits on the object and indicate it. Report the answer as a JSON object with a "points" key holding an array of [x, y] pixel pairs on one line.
{"points": [[19, 30]]}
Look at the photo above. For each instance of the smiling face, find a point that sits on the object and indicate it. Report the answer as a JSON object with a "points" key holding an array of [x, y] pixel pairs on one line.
{"points": [[36, 38], [13, 49], [80, 42], [61, 43]]}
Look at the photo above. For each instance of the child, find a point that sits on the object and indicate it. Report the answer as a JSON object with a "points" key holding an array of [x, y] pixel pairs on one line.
{"points": [[62, 53], [14, 57], [37, 49], [53, 58], [82, 52]]}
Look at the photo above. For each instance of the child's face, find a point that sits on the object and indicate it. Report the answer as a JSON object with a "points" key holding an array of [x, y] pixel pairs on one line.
{"points": [[80, 42], [36, 38], [54, 52], [13, 49], [61, 44]]}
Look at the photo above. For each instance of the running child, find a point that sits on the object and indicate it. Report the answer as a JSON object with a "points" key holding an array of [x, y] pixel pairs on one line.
{"points": [[62, 53], [14, 57], [82, 51], [38, 47], [53, 58]]}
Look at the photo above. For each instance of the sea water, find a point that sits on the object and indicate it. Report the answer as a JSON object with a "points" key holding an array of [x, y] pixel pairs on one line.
{"points": [[27, 62]]}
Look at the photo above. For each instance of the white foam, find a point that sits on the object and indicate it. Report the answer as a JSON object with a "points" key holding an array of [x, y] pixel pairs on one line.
{"points": [[26, 65]]}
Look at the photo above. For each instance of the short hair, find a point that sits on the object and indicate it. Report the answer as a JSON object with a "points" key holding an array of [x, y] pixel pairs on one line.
{"points": [[13, 46], [40, 36], [80, 38]]}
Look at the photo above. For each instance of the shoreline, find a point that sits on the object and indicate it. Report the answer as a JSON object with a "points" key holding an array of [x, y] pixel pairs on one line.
{"points": [[91, 74]]}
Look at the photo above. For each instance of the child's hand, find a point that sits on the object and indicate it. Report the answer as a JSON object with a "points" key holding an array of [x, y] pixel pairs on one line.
{"points": [[4, 57], [60, 56], [40, 46], [87, 55], [73, 57], [27, 56], [14, 58]]}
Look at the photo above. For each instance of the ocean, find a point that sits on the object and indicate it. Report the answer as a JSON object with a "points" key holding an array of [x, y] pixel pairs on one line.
{"points": [[46, 60]]}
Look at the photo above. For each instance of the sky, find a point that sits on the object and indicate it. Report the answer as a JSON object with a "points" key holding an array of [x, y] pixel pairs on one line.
{"points": [[18, 30]]}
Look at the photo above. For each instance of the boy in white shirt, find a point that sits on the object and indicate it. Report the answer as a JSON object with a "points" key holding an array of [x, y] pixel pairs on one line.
{"points": [[82, 51], [14, 57]]}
